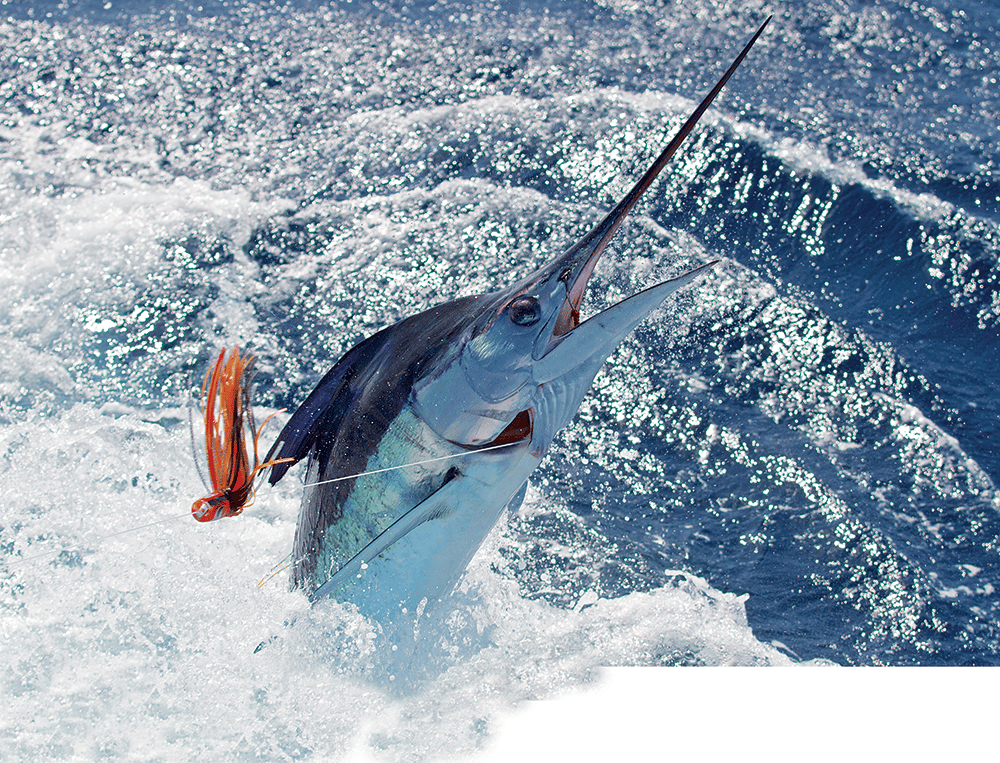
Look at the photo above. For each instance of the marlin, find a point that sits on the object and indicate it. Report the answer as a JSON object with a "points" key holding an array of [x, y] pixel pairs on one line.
{"points": [[468, 395]]}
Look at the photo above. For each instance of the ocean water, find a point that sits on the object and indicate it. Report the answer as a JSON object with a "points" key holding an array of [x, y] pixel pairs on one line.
{"points": [[791, 462]]}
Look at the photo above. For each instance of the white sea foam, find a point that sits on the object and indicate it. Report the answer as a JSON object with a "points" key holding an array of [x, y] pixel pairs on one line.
{"points": [[141, 623], [128, 630]]}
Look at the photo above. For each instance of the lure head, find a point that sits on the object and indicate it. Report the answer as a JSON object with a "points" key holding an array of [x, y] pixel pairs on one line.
{"points": [[215, 506]]}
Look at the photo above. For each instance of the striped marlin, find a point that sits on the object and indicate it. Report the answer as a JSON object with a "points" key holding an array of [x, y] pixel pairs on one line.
{"points": [[470, 394]]}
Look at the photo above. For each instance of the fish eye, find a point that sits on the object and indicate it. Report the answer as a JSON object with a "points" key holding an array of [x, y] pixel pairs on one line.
{"points": [[525, 311]]}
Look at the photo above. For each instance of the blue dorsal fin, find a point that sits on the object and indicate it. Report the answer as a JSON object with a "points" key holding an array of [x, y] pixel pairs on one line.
{"points": [[324, 409], [396, 354]]}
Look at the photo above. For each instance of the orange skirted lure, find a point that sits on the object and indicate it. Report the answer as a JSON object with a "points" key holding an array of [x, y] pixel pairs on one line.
{"points": [[228, 422]]}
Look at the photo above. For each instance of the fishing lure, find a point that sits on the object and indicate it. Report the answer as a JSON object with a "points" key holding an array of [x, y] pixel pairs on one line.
{"points": [[228, 414]]}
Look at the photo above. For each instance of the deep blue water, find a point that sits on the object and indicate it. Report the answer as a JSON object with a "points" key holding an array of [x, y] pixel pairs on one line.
{"points": [[812, 426]]}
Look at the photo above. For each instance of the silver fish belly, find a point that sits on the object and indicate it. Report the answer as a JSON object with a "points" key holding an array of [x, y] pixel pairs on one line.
{"points": [[404, 536]]}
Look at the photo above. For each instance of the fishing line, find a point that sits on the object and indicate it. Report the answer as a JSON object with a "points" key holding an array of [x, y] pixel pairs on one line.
{"points": [[25, 561], [414, 463], [282, 565], [279, 567], [192, 405]]}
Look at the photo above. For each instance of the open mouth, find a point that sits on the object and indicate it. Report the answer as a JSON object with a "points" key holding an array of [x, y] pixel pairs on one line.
{"points": [[517, 430], [569, 314]]}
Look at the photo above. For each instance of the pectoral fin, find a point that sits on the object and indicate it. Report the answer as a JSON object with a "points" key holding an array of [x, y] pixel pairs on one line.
{"points": [[436, 504]]}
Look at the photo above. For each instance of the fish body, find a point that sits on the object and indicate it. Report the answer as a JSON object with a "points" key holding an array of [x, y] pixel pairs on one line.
{"points": [[467, 396]]}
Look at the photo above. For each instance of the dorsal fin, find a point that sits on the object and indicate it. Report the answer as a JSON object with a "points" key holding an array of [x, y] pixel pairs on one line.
{"points": [[398, 352], [320, 412]]}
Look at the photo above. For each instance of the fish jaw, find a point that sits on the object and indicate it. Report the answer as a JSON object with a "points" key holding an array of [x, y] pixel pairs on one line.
{"points": [[592, 341]]}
